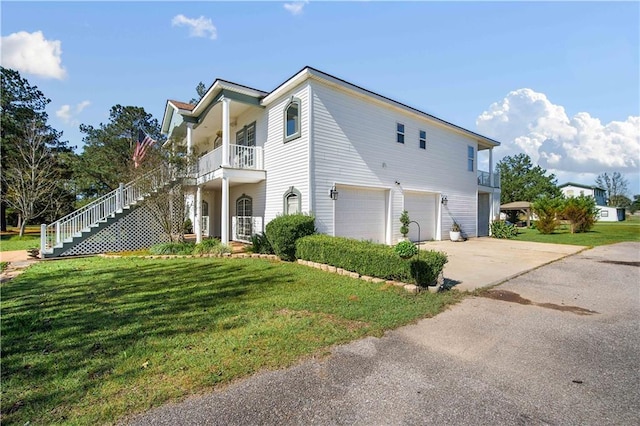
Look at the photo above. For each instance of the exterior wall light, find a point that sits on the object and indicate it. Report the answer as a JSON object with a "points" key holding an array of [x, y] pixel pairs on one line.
{"points": [[444, 200], [333, 193]]}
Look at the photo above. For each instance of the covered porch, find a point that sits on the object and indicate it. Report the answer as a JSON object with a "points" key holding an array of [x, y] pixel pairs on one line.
{"points": [[223, 138]]}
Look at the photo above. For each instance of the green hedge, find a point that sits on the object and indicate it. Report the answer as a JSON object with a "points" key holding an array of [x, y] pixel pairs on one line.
{"points": [[375, 260], [283, 232]]}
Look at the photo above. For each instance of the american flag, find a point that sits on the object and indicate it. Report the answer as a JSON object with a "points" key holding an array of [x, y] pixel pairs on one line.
{"points": [[143, 144]]}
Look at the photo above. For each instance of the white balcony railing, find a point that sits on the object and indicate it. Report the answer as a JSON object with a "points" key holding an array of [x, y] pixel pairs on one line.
{"points": [[484, 179], [240, 157]]}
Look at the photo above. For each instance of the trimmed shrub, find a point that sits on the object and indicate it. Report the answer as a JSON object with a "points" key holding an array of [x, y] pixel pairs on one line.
{"points": [[260, 244], [404, 220], [172, 248], [581, 212], [367, 258], [548, 210], [503, 229], [211, 246], [283, 232], [406, 249]]}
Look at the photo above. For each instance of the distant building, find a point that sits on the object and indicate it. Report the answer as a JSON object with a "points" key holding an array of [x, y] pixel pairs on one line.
{"points": [[605, 213]]}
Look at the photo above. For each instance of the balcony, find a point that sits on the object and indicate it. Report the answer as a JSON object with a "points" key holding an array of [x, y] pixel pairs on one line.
{"points": [[240, 157], [484, 179]]}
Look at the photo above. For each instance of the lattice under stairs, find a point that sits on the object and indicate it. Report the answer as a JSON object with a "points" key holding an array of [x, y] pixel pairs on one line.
{"points": [[114, 222]]}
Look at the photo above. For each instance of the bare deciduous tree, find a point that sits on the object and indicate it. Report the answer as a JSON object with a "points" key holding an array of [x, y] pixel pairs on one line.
{"points": [[615, 184], [31, 176]]}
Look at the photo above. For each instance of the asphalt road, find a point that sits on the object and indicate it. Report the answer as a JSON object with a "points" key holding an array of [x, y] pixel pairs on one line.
{"points": [[558, 345]]}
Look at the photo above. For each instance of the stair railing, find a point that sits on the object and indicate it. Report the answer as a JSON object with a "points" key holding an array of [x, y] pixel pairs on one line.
{"points": [[100, 209]]}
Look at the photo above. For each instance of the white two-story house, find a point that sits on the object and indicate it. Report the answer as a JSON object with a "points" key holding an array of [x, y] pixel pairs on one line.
{"points": [[605, 213], [321, 145]]}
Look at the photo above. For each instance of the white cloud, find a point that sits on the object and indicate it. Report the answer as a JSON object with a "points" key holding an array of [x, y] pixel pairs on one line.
{"points": [[296, 7], [68, 114], [578, 147], [31, 53], [198, 27]]}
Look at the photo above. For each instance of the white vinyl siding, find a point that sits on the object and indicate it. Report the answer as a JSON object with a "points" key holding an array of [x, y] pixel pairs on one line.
{"points": [[287, 164], [351, 147]]}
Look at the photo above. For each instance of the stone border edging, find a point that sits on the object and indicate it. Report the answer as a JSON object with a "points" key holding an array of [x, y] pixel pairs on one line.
{"points": [[410, 288]]}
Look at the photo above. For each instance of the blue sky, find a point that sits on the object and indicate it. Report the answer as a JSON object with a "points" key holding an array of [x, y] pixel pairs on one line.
{"points": [[559, 81]]}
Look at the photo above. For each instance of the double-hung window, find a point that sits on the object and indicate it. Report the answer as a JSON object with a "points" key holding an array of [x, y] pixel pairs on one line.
{"points": [[471, 158], [423, 139], [399, 132]]}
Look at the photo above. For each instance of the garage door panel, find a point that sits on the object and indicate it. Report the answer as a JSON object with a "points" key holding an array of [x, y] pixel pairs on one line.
{"points": [[422, 209], [361, 213]]}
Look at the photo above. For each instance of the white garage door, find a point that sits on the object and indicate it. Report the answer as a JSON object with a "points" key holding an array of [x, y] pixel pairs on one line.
{"points": [[422, 209], [360, 213]]}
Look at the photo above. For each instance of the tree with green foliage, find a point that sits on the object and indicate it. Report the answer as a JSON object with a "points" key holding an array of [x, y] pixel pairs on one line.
{"points": [[548, 210], [201, 90], [581, 212], [26, 139], [21, 103], [619, 201], [635, 205], [615, 185], [520, 180], [107, 159]]}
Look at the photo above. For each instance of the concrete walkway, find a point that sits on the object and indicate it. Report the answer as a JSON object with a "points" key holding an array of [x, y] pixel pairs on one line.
{"points": [[482, 262], [14, 256]]}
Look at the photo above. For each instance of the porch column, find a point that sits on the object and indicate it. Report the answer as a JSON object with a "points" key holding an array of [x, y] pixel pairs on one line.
{"points": [[189, 138], [197, 223], [491, 167], [224, 214], [225, 131]]}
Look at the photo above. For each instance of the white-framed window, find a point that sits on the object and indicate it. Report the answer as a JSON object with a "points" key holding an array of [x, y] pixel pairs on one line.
{"points": [[604, 213], [247, 135], [471, 158], [292, 114], [292, 201], [399, 132], [423, 139]]}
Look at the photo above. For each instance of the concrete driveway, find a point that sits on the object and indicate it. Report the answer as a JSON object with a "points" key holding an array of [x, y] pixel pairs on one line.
{"points": [[482, 262], [557, 345]]}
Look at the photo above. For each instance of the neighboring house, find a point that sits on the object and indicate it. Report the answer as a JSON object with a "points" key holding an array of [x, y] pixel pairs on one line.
{"points": [[605, 213], [317, 144]]}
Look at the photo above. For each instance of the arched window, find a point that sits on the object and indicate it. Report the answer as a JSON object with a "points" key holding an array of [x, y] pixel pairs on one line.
{"points": [[205, 208], [244, 211], [292, 119], [292, 201]]}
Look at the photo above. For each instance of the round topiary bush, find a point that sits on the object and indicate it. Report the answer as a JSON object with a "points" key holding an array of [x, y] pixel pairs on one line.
{"points": [[406, 249], [283, 232]]}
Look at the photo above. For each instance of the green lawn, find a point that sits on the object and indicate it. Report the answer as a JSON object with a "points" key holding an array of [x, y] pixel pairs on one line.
{"points": [[10, 242], [91, 340], [601, 234]]}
